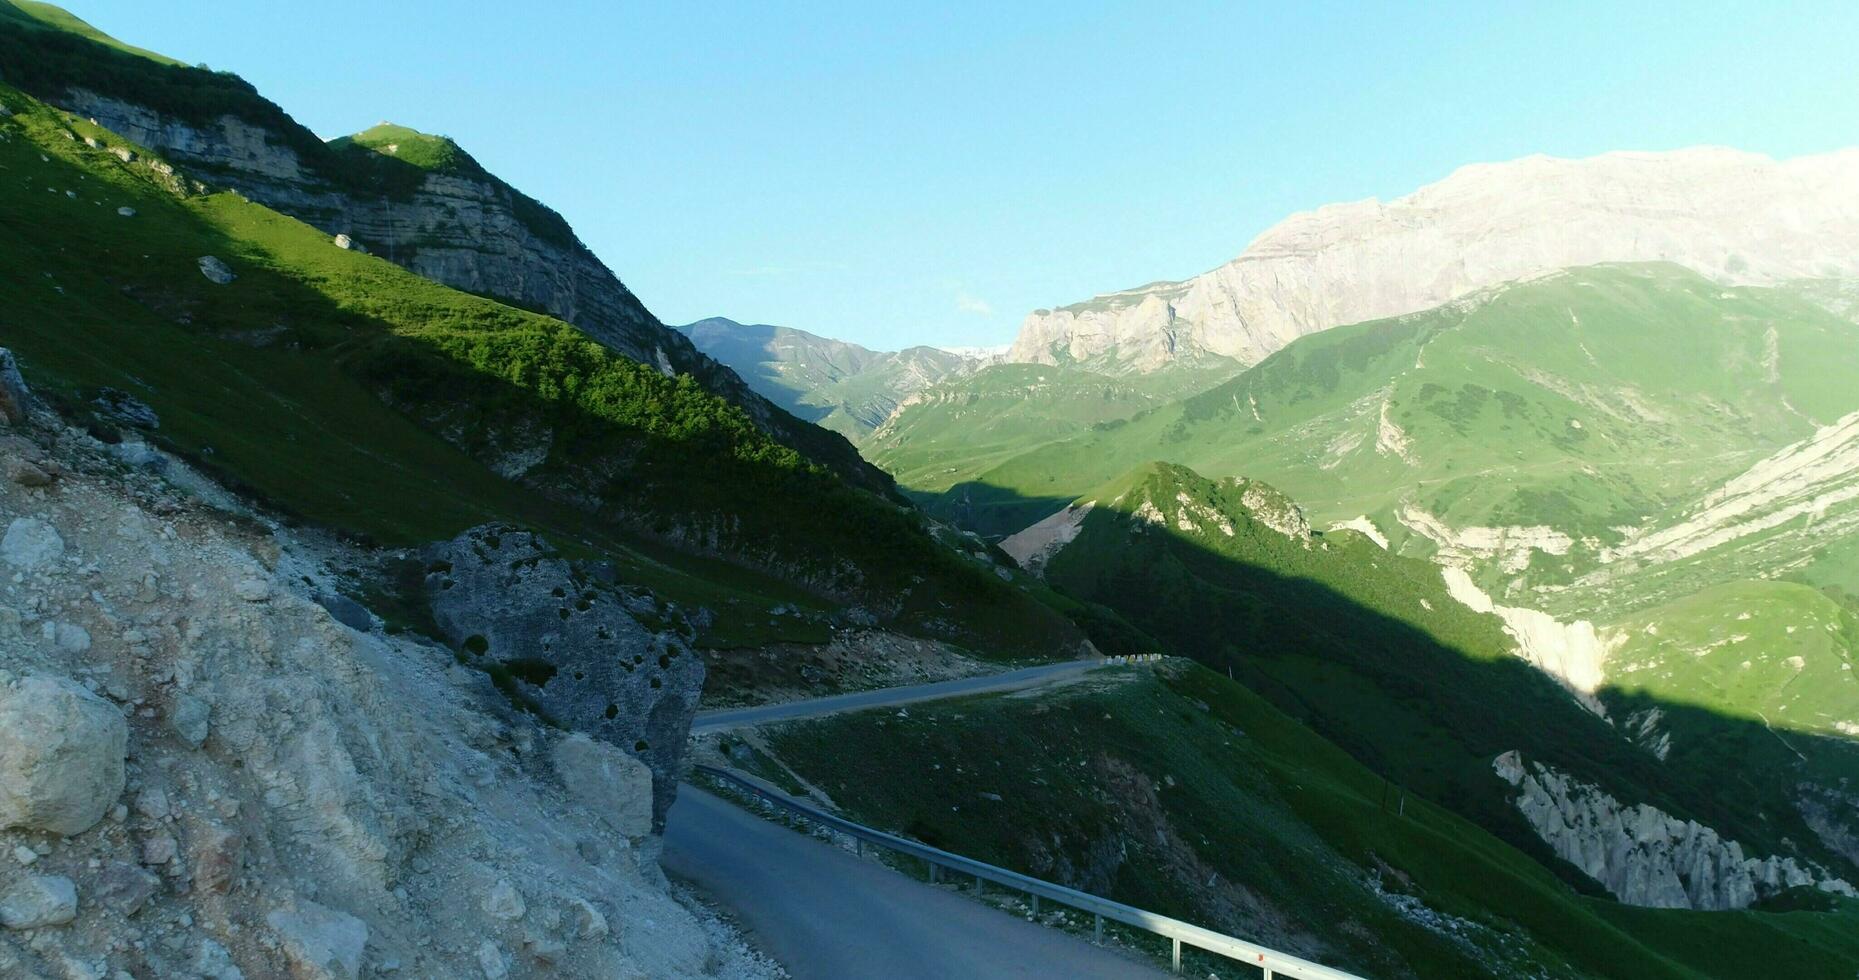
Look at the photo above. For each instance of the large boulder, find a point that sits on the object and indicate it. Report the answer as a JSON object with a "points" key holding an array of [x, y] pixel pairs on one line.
{"points": [[61, 755], [30, 543], [37, 901], [610, 782], [320, 943], [215, 270], [578, 646]]}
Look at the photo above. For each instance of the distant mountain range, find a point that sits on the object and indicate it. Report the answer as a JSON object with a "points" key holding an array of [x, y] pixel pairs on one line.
{"points": [[1739, 218], [833, 383]]}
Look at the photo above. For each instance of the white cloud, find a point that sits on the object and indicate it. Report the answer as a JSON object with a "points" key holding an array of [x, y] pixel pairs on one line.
{"points": [[972, 304]]}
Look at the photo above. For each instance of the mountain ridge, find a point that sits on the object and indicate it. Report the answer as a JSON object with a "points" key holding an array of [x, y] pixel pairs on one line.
{"points": [[455, 223], [1740, 217]]}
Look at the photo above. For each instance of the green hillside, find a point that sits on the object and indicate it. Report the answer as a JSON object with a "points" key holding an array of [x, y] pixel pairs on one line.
{"points": [[1774, 652], [348, 391], [832, 383], [1187, 794], [1371, 651], [1554, 402], [951, 433]]}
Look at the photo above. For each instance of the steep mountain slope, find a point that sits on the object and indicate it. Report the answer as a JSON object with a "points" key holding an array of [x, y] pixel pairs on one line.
{"points": [[353, 393], [839, 385], [1740, 218], [1188, 794], [419, 200], [199, 752], [1526, 428], [951, 431], [1373, 651]]}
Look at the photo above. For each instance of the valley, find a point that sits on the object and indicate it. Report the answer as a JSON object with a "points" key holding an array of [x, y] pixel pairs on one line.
{"points": [[1464, 585]]}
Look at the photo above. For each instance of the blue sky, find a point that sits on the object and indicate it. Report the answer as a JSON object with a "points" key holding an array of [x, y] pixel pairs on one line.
{"points": [[896, 174]]}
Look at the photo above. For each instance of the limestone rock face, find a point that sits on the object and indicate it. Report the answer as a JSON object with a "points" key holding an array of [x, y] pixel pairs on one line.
{"points": [[61, 755], [1643, 855], [594, 656], [293, 780], [1739, 217], [611, 783]]}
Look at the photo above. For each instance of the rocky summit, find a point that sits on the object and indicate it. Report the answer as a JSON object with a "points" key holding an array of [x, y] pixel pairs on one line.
{"points": [[1740, 218]]}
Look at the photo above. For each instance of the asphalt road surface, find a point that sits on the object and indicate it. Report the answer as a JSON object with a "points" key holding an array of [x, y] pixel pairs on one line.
{"points": [[828, 915], [716, 721]]}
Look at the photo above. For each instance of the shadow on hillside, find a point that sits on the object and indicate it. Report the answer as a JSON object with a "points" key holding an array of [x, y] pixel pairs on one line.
{"points": [[367, 399], [991, 511], [1431, 707]]}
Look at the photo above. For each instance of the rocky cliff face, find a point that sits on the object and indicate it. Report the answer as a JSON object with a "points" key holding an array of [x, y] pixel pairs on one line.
{"points": [[461, 227], [205, 772], [1738, 217], [1643, 855], [588, 652]]}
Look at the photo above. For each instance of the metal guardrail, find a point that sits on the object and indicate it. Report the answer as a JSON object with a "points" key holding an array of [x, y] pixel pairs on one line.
{"points": [[1179, 933]]}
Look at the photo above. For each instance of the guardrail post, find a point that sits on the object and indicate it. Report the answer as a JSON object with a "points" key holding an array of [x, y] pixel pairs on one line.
{"points": [[933, 869], [1175, 960], [977, 884], [1097, 928], [859, 842], [1035, 899]]}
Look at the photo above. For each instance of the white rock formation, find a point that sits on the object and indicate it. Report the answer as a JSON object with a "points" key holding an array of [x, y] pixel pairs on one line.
{"points": [[30, 543], [1643, 855], [61, 755], [1033, 547], [1739, 217], [1808, 479], [1574, 653]]}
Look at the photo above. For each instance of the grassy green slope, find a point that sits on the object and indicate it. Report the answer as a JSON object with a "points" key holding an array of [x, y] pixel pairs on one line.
{"points": [[281, 381], [950, 433], [1370, 650], [1189, 795], [1778, 652], [1558, 401], [46, 50]]}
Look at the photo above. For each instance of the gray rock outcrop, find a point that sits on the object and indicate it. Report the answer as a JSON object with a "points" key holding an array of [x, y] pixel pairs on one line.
{"points": [[321, 943], [589, 653], [1644, 856], [30, 543], [215, 270], [15, 399], [61, 755], [121, 406], [37, 901]]}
